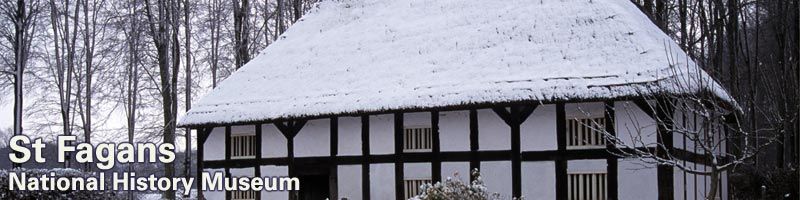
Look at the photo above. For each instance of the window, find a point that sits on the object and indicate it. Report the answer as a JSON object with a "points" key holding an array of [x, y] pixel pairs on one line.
{"points": [[586, 186], [587, 132], [243, 195], [413, 186], [417, 139], [243, 146]]}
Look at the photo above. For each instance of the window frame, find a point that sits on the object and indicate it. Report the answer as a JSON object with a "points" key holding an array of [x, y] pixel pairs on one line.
{"points": [[418, 182], [600, 194], [253, 146], [425, 142], [597, 138]]}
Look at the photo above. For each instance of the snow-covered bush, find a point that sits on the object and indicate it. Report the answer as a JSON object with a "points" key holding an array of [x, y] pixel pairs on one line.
{"points": [[5, 193], [454, 189]]}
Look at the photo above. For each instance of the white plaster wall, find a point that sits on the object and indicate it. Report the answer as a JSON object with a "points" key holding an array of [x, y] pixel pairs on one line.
{"points": [[381, 181], [454, 131], [538, 132], [632, 122], [214, 148], [417, 119], [456, 170], [381, 134], [724, 185], [587, 166], [681, 185], [496, 176], [493, 132], [635, 181], [697, 186], [349, 182], [539, 180], [584, 110], [208, 194], [694, 145], [313, 139], [243, 172], [691, 122], [273, 142], [349, 136], [274, 171], [417, 171], [682, 122], [243, 130]]}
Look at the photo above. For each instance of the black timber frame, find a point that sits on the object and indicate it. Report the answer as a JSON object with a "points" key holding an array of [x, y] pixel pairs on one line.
{"points": [[399, 169], [333, 178], [227, 157], [259, 144], [474, 145], [474, 156], [612, 164], [202, 136], [663, 112], [561, 142], [365, 158], [436, 165], [290, 129], [514, 116]]}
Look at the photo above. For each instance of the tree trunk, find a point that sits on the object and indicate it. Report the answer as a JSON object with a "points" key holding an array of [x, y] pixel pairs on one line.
{"points": [[298, 9], [161, 39], [88, 42], [241, 13], [733, 28], [132, 79], [214, 41], [279, 19], [21, 17], [715, 179], [187, 163]]}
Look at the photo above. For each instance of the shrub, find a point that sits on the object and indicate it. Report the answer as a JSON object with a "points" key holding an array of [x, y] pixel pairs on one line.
{"points": [[5, 193], [454, 189]]}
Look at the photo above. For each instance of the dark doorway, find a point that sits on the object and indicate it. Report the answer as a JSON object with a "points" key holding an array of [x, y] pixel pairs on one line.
{"points": [[314, 187]]}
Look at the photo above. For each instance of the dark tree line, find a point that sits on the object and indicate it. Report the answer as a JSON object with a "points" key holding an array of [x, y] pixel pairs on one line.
{"points": [[752, 47]]}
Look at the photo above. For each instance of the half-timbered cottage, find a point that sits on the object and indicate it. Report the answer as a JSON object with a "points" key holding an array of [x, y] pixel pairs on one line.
{"points": [[368, 99]]}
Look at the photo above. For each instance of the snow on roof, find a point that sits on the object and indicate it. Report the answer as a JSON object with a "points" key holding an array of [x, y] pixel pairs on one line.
{"points": [[350, 56]]}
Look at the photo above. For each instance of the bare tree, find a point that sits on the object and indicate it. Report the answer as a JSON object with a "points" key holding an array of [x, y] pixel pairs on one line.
{"points": [[188, 88], [65, 56], [23, 17], [90, 26], [707, 124], [160, 22], [241, 23], [280, 26], [297, 6], [130, 100]]}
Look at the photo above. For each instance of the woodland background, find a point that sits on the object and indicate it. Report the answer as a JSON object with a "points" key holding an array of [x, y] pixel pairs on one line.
{"points": [[125, 70]]}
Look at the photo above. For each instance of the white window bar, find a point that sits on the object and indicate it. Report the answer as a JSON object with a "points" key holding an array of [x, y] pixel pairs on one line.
{"points": [[417, 139], [413, 186], [586, 186], [243, 146], [243, 195], [587, 132]]}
